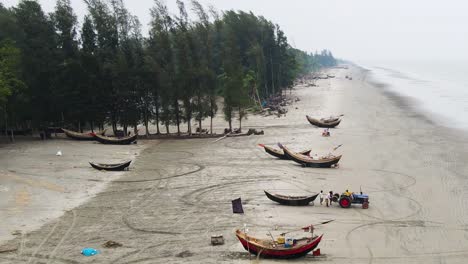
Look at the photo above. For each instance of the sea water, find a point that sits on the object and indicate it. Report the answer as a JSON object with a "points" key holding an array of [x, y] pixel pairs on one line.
{"points": [[440, 88]]}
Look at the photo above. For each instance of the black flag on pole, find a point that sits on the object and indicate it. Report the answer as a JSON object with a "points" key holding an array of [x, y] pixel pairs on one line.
{"points": [[237, 206]]}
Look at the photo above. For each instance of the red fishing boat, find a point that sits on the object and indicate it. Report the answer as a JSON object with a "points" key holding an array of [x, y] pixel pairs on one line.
{"points": [[268, 248]]}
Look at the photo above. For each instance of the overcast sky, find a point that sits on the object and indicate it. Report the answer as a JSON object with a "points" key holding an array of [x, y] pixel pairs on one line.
{"points": [[352, 29]]}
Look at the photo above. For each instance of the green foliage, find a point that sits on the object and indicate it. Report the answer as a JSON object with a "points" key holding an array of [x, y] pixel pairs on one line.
{"points": [[107, 72], [9, 71]]}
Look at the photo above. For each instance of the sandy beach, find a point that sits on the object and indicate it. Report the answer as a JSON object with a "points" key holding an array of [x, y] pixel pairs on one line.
{"points": [[36, 185], [178, 192]]}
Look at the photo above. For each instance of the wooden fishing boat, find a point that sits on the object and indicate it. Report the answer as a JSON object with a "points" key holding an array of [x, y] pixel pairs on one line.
{"points": [[306, 161], [80, 136], [327, 123], [111, 167], [116, 141], [291, 200], [278, 153], [271, 249]]}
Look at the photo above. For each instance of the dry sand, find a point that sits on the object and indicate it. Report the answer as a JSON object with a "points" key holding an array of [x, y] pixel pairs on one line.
{"points": [[179, 192]]}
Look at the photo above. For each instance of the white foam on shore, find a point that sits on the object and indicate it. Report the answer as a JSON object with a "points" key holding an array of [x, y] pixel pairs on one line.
{"points": [[439, 88]]}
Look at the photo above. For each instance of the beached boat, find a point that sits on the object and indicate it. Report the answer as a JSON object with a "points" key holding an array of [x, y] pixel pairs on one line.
{"points": [[327, 123], [80, 136], [291, 200], [251, 131], [306, 161], [111, 167], [116, 141], [278, 153], [268, 248]]}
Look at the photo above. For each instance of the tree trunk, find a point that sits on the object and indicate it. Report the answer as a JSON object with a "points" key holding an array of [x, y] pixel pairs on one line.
{"points": [[189, 126], [211, 124], [125, 127], [135, 129], [272, 75], [92, 126], [211, 114], [79, 127], [114, 127], [157, 120], [146, 124], [6, 122], [167, 128], [63, 120], [156, 106], [200, 125], [240, 119], [230, 124], [176, 107]]}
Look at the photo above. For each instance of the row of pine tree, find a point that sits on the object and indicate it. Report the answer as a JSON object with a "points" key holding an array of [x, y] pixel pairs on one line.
{"points": [[56, 72]]}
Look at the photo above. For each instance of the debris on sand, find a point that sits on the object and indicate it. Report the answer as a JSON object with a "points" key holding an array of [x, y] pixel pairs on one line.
{"points": [[184, 254], [237, 132], [256, 132], [8, 249], [217, 240], [88, 252], [112, 244]]}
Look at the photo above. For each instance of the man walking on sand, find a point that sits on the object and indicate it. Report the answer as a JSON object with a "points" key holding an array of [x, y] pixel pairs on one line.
{"points": [[327, 199], [321, 197]]}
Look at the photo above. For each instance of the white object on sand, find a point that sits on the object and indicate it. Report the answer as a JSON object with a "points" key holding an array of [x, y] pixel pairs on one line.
{"points": [[59, 153]]}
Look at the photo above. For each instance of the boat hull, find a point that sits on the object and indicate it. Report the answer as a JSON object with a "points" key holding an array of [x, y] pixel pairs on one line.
{"points": [[309, 162], [111, 167], [292, 202], [279, 253], [77, 135], [115, 141], [318, 123], [280, 154]]}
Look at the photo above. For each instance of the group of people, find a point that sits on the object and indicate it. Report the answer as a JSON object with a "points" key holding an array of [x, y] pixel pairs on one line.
{"points": [[326, 197], [326, 132]]}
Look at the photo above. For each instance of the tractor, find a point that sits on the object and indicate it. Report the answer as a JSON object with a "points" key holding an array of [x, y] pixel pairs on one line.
{"points": [[346, 199]]}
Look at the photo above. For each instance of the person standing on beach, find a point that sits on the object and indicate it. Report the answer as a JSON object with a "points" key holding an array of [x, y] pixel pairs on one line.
{"points": [[330, 194], [327, 199], [321, 197]]}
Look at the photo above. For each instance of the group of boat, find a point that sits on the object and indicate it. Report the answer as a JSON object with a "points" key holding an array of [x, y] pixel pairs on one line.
{"points": [[272, 248], [100, 137], [302, 157]]}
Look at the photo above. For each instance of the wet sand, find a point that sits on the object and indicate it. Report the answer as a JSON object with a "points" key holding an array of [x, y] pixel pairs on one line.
{"points": [[36, 185], [179, 192]]}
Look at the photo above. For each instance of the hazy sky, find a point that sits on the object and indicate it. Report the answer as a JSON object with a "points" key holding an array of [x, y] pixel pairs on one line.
{"points": [[359, 30]]}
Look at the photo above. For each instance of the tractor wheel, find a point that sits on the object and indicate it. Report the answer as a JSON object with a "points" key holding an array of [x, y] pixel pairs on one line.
{"points": [[345, 202], [365, 205], [335, 198]]}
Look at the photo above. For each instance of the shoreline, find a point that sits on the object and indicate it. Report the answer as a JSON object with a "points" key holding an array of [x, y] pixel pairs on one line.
{"points": [[179, 193]]}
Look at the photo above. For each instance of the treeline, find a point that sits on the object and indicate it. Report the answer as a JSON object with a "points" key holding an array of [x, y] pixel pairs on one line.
{"points": [[55, 72]]}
